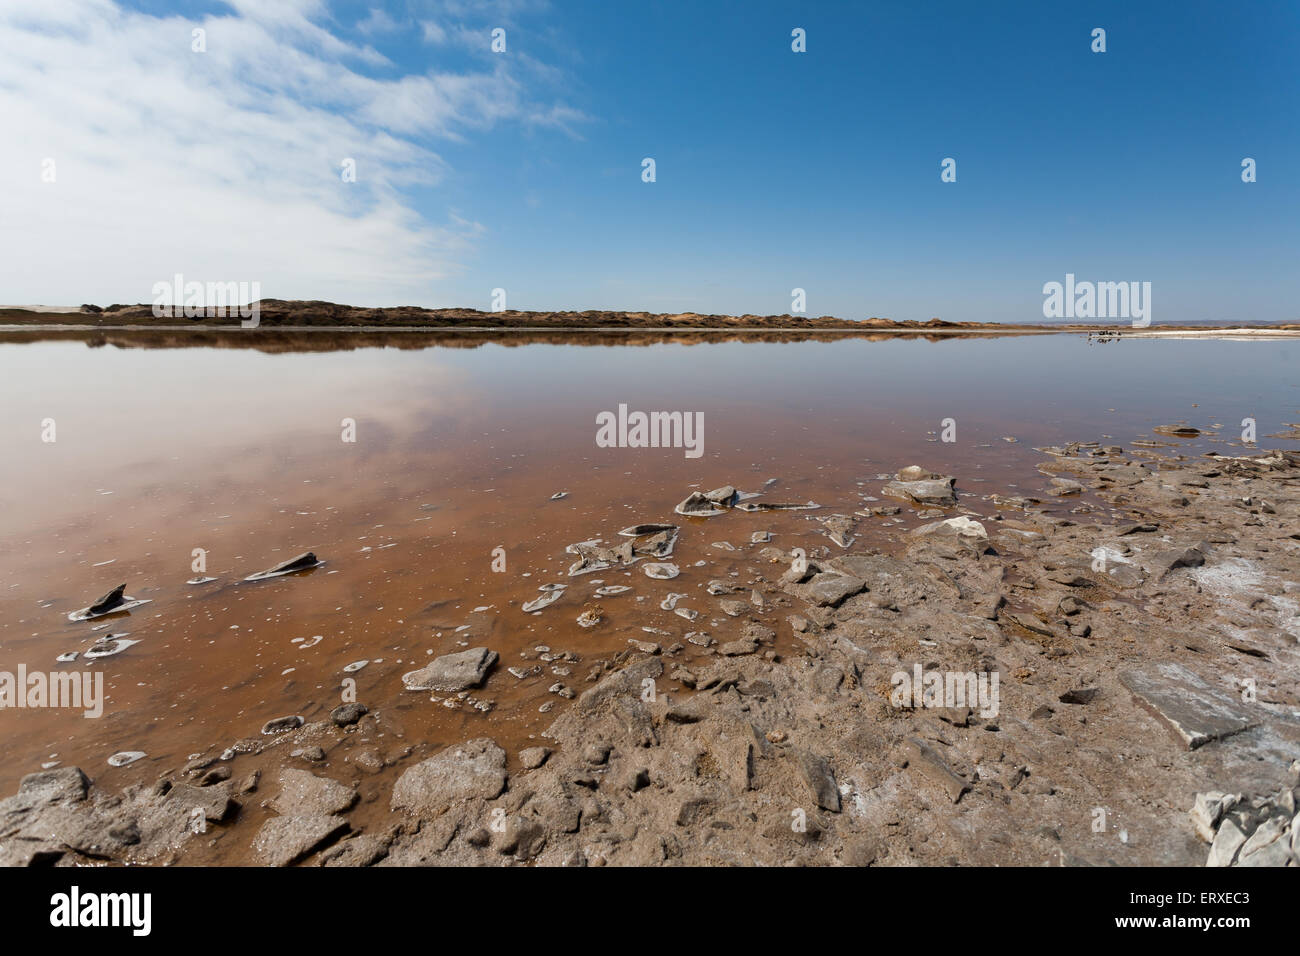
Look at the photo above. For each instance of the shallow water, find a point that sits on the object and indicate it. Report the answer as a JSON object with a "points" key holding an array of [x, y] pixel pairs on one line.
{"points": [[460, 444]]}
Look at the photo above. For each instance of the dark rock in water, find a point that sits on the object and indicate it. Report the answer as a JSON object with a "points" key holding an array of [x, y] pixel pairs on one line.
{"points": [[112, 599], [1177, 431], [303, 562], [452, 672], [474, 769], [658, 545], [637, 530], [916, 473], [282, 724], [776, 506], [113, 602], [697, 505], [1062, 487], [929, 491], [722, 496], [345, 714]]}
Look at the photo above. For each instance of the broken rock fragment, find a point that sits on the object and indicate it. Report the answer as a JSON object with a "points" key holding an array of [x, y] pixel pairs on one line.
{"points": [[452, 672], [476, 768], [303, 562], [115, 601]]}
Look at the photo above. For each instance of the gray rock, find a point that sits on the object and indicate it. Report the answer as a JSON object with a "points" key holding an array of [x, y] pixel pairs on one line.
{"points": [[476, 768], [533, 757], [286, 840], [697, 505], [1227, 842], [302, 792], [931, 764], [1267, 846], [452, 672], [48, 786], [931, 491], [1191, 708], [817, 774], [345, 714], [828, 589], [213, 802]]}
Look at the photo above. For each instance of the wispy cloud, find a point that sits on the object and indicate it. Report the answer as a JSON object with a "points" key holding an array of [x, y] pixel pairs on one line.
{"points": [[225, 164]]}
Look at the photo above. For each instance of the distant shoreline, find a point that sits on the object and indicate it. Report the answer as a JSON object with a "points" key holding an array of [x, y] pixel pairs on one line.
{"points": [[988, 329], [302, 316]]}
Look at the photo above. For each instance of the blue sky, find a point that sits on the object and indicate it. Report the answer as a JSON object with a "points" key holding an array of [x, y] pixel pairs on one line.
{"points": [[775, 169]]}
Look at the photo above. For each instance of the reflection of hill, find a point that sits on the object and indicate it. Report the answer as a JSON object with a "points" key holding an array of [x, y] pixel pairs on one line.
{"points": [[272, 340], [280, 312]]}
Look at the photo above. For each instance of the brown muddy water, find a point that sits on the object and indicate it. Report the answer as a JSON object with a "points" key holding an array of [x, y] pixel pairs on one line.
{"points": [[164, 446]]}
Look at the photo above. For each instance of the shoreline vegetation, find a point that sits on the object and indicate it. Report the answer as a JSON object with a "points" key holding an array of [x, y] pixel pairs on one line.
{"points": [[282, 314]]}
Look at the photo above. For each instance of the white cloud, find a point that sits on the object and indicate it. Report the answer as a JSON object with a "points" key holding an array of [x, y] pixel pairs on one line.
{"points": [[225, 165], [378, 21]]}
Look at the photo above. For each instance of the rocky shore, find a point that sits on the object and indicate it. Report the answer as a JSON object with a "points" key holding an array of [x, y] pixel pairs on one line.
{"points": [[1146, 649]]}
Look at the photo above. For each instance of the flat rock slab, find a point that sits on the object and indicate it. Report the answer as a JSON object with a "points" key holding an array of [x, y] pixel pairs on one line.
{"points": [[48, 786], [453, 672], [213, 802], [1193, 710], [304, 792], [927, 492], [828, 589], [476, 768], [286, 840]]}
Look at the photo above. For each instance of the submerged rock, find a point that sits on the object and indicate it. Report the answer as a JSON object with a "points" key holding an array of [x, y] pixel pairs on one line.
{"points": [[919, 486], [281, 725], [593, 557], [303, 562], [697, 505], [115, 601], [549, 597], [107, 646], [661, 572], [722, 496], [124, 758], [640, 530], [452, 672]]}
